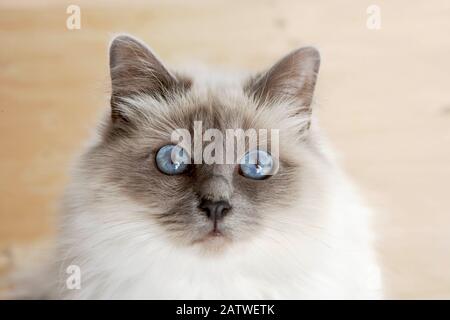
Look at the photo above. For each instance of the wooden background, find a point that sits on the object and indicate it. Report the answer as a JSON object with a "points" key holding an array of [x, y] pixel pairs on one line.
{"points": [[383, 96]]}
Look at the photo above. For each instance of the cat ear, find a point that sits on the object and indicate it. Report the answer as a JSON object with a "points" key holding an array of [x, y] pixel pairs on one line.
{"points": [[292, 78], [135, 69]]}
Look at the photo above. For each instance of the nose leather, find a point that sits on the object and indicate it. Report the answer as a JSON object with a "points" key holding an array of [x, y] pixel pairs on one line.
{"points": [[215, 210]]}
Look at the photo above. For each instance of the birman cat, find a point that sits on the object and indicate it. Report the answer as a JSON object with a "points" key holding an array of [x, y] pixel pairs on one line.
{"points": [[142, 220]]}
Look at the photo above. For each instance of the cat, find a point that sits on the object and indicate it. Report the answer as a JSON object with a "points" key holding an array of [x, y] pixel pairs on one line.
{"points": [[134, 231]]}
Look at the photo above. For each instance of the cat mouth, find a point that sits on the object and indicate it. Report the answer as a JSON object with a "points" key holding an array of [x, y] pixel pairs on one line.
{"points": [[215, 233], [214, 236]]}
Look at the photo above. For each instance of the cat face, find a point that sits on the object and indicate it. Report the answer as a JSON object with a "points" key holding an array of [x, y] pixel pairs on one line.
{"points": [[204, 204]]}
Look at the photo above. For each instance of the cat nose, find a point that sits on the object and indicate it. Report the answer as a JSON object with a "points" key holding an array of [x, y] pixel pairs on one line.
{"points": [[215, 210]]}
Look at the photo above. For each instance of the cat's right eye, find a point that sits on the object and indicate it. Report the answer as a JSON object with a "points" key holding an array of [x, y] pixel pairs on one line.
{"points": [[172, 160]]}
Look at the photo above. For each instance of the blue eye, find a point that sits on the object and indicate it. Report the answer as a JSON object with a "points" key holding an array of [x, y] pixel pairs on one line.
{"points": [[257, 164], [172, 160]]}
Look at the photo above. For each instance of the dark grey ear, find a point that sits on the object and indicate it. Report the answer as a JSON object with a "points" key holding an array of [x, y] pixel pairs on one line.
{"points": [[135, 70], [293, 77]]}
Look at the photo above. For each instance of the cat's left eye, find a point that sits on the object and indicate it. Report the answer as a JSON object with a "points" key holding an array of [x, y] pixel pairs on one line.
{"points": [[172, 160], [257, 165]]}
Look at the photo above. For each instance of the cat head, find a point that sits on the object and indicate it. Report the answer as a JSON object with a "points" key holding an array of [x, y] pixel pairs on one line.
{"points": [[206, 204]]}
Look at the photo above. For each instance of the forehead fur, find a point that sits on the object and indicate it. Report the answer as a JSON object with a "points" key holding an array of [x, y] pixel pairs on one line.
{"points": [[219, 104]]}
